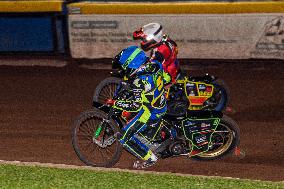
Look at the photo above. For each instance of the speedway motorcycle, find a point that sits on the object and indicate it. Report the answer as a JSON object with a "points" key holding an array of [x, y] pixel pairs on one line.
{"points": [[198, 134], [197, 93]]}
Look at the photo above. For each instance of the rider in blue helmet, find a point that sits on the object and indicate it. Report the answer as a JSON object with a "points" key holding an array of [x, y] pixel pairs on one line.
{"points": [[147, 81], [130, 59]]}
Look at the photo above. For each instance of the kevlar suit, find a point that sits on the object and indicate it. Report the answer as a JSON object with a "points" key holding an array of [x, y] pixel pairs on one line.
{"points": [[163, 49], [166, 52], [148, 105]]}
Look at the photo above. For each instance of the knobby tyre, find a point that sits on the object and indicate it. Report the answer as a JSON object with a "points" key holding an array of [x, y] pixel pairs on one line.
{"points": [[224, 140], [83, 143]]}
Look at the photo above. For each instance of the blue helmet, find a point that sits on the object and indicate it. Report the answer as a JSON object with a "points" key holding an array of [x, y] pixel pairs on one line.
{"points": [[130, 59]]}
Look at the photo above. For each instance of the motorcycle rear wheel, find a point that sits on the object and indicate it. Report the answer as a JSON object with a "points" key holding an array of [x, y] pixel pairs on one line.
{"points": [[83, 143], [225, 139], [220, 96]]}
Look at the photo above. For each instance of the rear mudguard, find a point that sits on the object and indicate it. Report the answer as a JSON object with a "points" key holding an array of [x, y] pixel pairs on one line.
{"points": [[106, 110]]}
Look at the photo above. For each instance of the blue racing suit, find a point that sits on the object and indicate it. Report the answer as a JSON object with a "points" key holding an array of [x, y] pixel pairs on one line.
{"points": [[149, 104]]}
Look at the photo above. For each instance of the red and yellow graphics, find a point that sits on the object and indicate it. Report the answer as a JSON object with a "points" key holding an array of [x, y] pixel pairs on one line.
{"points": [[197, 93]]}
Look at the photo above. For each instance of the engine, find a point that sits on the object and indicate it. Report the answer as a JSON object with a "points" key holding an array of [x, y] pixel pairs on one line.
{"points": [[178, 147]]}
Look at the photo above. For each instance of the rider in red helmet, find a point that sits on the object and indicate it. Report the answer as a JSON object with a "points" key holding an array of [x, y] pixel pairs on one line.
{"points": [[163, 49]]}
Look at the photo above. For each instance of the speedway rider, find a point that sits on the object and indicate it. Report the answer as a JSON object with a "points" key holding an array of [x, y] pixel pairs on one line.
{"points": [[147, 80], [163, 49]]}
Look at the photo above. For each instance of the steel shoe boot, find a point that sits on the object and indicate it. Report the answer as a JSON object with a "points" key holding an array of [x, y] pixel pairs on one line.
{"points": [[144, 164]]}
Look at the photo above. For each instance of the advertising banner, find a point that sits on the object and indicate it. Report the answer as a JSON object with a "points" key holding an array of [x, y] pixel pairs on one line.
{"points": [[200, 36]]}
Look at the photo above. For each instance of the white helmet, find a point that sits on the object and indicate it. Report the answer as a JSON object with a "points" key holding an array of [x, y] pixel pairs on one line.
{"points": [[150, 34]]}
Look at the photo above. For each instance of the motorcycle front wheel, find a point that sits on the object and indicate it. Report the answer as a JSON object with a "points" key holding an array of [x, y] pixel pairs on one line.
{"points": [[223, 141], [94, 144], [106, 89]]}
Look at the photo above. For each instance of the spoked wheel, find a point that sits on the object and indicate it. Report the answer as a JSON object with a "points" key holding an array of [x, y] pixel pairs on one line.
{"points": [[94, 143], [106, 89], [225, 139], [220, 97]]}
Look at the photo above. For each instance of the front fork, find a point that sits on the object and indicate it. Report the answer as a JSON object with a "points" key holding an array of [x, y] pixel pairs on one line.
{"points": [[99, 136]]}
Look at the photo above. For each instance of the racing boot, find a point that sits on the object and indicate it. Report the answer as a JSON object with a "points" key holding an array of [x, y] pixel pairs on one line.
{"points": [[140, 164]]}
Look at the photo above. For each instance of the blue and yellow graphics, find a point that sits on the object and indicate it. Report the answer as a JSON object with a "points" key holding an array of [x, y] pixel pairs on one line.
{"points": [[149, 103]]}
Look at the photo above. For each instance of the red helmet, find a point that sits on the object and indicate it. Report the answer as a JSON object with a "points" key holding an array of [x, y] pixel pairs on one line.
{"points": [[150, 35]]}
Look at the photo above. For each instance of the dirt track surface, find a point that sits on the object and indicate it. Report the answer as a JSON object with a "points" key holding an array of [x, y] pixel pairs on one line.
{"points": [[38, 105]]}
